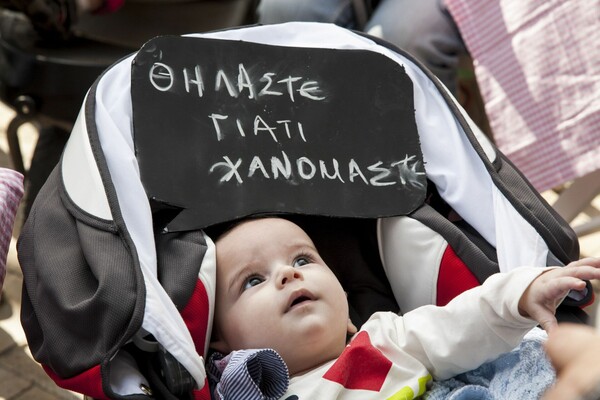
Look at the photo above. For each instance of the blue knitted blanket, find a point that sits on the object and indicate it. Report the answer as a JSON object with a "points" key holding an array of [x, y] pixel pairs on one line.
{"points": [[524, 373]]}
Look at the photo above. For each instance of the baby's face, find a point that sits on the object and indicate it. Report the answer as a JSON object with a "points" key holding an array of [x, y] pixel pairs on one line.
{"points": [[275, 291]]}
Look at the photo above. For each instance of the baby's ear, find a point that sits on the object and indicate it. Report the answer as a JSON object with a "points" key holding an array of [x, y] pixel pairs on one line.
{"points": [[351, 327]]}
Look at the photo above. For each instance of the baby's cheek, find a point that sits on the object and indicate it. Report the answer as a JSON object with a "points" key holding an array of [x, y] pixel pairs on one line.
{"points": [[243, 330], [249, 339]]}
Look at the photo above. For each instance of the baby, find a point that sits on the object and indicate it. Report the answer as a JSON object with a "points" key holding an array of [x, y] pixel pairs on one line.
{"points": [[275, 292]]}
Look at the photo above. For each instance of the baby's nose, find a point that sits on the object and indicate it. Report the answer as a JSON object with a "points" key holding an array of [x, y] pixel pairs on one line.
{"points": [[289, 274]]}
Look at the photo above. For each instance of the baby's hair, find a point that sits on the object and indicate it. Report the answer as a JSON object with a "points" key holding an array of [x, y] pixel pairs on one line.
{"points": [[218, 230]]}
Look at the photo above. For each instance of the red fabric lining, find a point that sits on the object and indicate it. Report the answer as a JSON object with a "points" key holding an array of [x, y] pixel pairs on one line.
{"points": [[88, 382], [202, 394], [454, 277], [195, 315]]}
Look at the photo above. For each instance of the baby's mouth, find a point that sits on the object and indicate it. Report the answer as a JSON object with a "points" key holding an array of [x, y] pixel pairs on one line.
{"points": [[298, 299]]}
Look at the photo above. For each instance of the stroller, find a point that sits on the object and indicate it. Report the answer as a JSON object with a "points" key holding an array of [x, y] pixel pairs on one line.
{"points": [[393, 180]]}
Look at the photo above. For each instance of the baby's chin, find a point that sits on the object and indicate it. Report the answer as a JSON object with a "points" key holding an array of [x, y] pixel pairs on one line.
{"points": [[308, 355]]}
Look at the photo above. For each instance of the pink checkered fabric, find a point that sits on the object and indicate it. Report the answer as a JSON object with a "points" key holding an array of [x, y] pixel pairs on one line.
{"points": [[538, 67], [11, 192]]}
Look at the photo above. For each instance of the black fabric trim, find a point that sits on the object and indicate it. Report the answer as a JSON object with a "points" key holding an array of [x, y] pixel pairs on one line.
{"points": [[137, 315], [83, 216], [558, 234]]}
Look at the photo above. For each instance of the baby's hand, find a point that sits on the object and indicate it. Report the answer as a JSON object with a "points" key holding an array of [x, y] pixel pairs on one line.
{"points": [[547, 291]]}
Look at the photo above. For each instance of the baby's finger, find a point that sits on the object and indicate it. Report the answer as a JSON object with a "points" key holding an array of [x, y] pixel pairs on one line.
{"points": [[569, 283], [559, 287], [547, 320], [584, 272], [549, 325], [589, 261]]}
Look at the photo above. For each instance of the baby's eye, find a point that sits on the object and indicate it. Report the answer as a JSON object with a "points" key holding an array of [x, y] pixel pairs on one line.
{"points": [[300, 261], [252, 281]]}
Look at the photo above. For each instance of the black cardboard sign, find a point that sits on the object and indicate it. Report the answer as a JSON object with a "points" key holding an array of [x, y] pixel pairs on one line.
{"points": [[226, 129]]}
